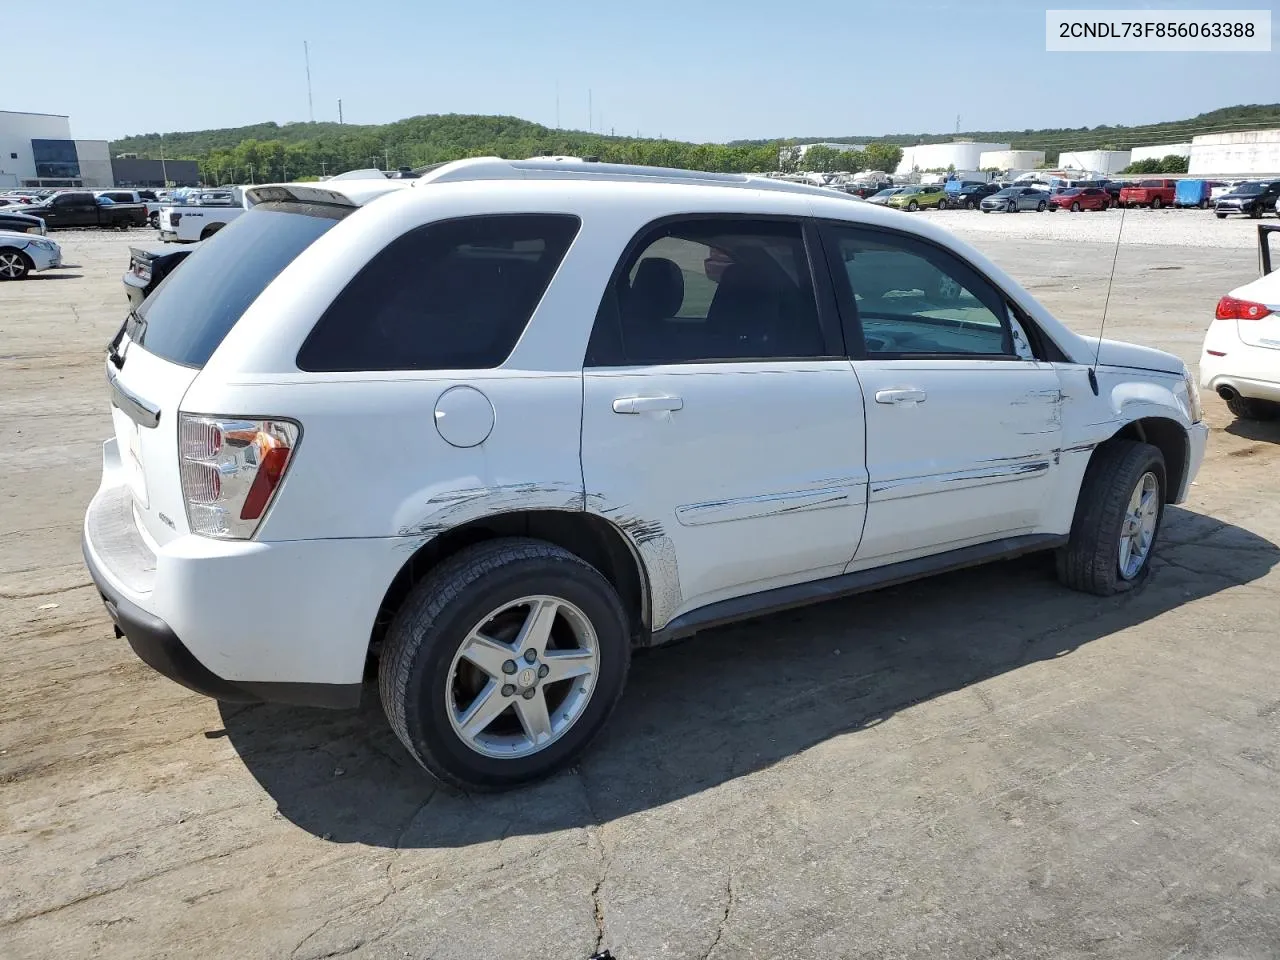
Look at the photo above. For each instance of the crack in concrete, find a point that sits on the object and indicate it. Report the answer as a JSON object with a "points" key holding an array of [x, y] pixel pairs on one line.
{"points": [[730, 899], [594, 831]]}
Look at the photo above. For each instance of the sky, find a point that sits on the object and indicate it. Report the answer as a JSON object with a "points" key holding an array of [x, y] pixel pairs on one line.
{"points": [[702, 70]]}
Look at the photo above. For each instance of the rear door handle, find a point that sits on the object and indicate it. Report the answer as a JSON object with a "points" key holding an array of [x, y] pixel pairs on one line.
{"points": [[647, 404], [901, 396]]}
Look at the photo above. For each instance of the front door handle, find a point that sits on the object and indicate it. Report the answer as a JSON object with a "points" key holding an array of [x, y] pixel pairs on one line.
{"points": [[901, 396], [647, 404]]}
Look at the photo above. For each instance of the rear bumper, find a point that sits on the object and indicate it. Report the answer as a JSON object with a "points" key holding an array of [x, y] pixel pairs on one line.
{"points": [[135, 289], [1252, 372], [238, 620]]}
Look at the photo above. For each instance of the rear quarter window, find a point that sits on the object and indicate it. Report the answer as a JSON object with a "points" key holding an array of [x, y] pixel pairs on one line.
{"points": [[194, 308], [450, 295]]}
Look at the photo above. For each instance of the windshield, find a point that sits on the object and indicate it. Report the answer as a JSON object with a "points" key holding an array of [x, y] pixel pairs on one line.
{"points": [[885, 193], [196, 306], [1247, 189], [911, 189], [1071, 192], [1008, 192]]}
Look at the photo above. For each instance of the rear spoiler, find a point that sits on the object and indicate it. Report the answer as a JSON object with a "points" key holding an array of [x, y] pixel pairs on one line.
{"points": [[295, 191], [1264, 250]]}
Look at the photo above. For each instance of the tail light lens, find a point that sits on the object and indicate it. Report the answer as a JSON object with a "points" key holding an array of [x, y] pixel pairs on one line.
{"points": [[1229, 308], [174, 217], [231, 469]]}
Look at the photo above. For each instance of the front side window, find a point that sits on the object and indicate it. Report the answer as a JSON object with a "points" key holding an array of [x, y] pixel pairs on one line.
{"points": [[450, 295], [915, 299], [711, 290]]}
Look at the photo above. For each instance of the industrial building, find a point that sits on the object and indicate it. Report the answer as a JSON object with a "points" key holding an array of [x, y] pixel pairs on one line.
{"points": [[1160, 151], [37, 150], [1253, 152], [958, 155], [136, 172], [1010, 159], [1095, 161]]}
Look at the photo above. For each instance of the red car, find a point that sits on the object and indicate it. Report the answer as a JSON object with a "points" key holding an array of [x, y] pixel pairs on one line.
{"points": [[1149, 193], [1076, 199]]}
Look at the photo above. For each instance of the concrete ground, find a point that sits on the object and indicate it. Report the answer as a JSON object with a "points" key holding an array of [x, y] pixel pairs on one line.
{"points": [[983, 765]]}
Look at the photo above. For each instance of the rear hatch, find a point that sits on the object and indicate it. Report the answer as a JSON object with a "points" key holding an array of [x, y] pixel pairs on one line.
{"points": [[165, 343]]}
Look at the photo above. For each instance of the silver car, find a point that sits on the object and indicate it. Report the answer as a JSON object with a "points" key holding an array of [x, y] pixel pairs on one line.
{"points": [[24, 253], [1014, 199]]}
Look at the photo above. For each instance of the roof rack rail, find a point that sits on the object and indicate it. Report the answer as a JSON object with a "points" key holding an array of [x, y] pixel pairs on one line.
{"points": [[579, 168]]}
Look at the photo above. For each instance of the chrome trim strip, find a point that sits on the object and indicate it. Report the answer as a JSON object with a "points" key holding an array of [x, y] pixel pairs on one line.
{"points": [[140, 411], [769, 504], [938, 482]]}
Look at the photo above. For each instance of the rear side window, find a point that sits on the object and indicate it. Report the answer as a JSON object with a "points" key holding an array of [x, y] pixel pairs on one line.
{"points": [[452, 295], [195, 306]]}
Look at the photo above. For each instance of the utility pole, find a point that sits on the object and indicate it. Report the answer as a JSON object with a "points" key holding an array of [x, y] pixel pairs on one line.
{"points": [[339, 111], [957, 123], [306, 56], [386, 158], [164, 173]]}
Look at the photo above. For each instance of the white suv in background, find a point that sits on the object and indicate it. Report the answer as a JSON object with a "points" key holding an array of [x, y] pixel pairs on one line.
{"points": [[500, 424]]}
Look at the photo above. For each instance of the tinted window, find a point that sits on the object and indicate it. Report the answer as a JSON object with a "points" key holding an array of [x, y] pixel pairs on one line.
{"points": [[453, 295], [913, 298], [711, 289], [194, 308]]}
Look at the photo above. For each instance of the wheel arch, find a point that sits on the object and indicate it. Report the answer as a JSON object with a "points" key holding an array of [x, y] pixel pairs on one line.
{"points": [[1170, 438], [586, 535], [26, 257]]}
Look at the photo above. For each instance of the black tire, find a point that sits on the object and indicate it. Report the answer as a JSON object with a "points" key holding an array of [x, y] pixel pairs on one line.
{"points": [[1220, 216], [1256, 212], [426, 632], [912, 206], [1040, 207], [14, 264], [1157, 203], [1090, 561], [1075, 206], [154, 220], [1248, 408], [985, 210], [969, 204], [1204, 204]]}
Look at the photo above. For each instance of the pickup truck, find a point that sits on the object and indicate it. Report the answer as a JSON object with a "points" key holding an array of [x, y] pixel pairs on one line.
{"points": [[1149, 193], [148, 266], [76, 208], [193, 222], [145, 197]]}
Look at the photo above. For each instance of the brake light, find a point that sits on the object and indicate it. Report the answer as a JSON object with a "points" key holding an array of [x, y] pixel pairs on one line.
{"points": [[231, 469], [1229, 308]]}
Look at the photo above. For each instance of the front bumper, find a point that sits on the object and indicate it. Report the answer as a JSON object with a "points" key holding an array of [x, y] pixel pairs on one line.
{"points": [[243, 621], [1197, 438]]}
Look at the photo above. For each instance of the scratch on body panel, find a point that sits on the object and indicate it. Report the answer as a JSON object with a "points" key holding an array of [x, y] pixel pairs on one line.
{"points": [[454, 507], [656, 552]]}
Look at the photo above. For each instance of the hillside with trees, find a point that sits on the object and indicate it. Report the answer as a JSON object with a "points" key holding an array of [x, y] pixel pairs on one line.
{"points": [[270, 151], [1055, 140]]}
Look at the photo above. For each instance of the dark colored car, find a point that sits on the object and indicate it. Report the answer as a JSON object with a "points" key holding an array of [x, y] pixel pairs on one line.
{"points": [[10, 219], [1076, 199], [76, 208], [148, 266], [1113, 188], [971, 195], [1249, 199]]}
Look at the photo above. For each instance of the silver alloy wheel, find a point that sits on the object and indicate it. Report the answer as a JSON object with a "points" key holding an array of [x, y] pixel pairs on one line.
{"points": [[522, 677], [1138, 529], [12, 266]]}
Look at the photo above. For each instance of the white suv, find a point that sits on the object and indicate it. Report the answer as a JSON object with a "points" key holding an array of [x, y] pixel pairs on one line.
{"points": [[498, 425]]}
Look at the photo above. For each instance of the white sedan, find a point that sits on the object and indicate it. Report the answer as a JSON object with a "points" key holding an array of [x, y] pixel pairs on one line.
{"points": [[1241, 357], [24, 253]]}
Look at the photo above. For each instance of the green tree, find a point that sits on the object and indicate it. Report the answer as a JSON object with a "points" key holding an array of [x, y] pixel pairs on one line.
{"points": [[1172, 163], [881, 156]]}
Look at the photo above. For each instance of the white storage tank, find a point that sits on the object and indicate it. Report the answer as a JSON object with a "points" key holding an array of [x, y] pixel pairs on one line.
{"points": [[1011, 159], [1102, 161], [1249, 152], [962, 155]]}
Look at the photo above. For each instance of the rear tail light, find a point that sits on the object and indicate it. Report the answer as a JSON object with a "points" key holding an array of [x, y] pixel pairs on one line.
{"points": [[1229, 308], [174, 217], [231, 470]]}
